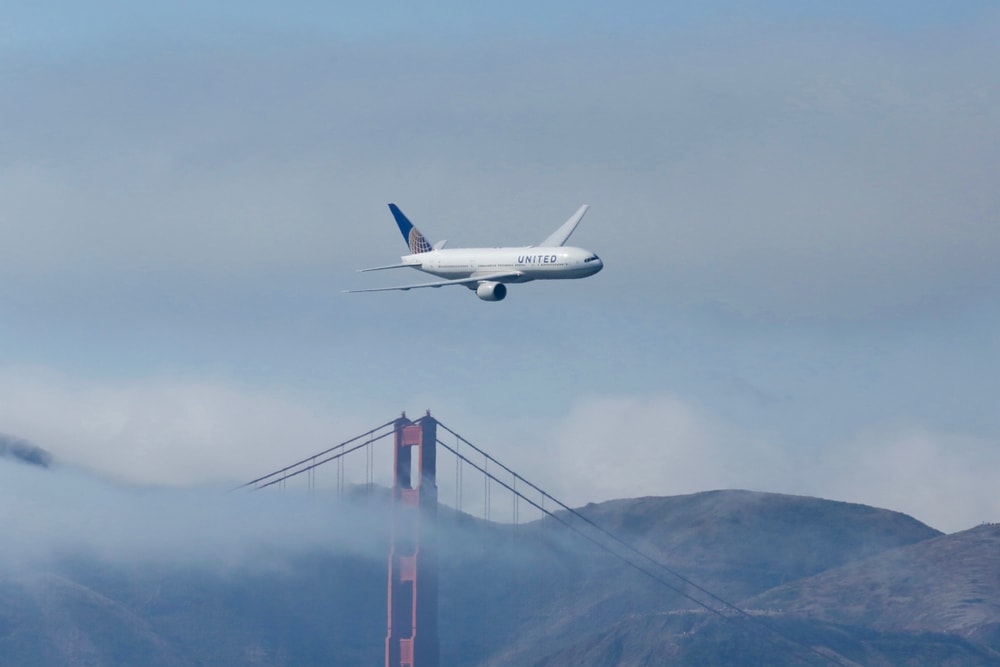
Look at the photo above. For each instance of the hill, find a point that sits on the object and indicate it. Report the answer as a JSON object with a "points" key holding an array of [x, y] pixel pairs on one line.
{"points": [[734, 543], [691, 639], [746, 542], [948, 584], [540, 595], [23, 451]]}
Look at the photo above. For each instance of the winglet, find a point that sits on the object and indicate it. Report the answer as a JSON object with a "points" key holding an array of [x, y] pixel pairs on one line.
{"points": [[414, 239], [561, 235]]}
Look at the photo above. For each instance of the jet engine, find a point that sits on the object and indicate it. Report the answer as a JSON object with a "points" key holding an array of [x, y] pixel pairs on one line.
{"points": [[490, 291]]}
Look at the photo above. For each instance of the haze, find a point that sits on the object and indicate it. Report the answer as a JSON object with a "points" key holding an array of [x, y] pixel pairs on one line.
{"points": [[796, 205]]}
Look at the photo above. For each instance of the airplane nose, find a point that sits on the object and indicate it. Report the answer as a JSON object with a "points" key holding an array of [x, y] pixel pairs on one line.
{"points": [[599, 264]]}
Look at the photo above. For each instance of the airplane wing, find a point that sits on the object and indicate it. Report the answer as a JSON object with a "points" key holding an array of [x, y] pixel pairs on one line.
{"points": [[497, 277], [561, 235]]}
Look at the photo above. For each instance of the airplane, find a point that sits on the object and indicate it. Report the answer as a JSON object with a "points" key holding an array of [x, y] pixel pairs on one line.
{"points": [[487, 271]]}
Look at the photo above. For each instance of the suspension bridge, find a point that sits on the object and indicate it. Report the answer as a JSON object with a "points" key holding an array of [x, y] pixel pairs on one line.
{"points": [[483, 485]]}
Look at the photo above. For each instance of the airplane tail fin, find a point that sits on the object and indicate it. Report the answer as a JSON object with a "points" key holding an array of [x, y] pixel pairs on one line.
{"points": [[414, 239]]}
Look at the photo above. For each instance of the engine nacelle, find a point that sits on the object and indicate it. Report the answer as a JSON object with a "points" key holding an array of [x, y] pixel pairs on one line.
{"points": [[490, 291]]}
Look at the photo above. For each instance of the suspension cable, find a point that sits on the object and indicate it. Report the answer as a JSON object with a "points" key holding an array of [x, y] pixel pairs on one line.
{"points": [[737, 611], [334, 457], [369, 433]]}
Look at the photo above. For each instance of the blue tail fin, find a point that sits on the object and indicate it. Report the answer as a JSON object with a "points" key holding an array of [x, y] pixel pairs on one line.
{"points": [[414, 239]]}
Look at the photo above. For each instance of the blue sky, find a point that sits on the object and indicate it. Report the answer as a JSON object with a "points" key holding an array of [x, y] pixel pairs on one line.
{"points": [[56, 26], [796, 204]]}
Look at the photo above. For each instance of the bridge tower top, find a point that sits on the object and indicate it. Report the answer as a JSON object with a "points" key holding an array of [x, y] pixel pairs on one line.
{"points": [[412, 635]]}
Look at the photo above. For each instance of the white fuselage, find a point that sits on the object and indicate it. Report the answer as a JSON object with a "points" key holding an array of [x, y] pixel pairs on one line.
{"points": [[529, 263]]}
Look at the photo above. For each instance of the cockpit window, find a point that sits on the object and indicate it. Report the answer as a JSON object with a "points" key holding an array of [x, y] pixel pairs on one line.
{"points": [[592, 258]]}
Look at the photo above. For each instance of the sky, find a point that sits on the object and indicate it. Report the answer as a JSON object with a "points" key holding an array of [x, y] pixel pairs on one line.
{"points": [[796, 204]]}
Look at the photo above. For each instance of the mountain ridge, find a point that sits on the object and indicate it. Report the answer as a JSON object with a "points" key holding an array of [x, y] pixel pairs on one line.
{"points": [[541, 595]]}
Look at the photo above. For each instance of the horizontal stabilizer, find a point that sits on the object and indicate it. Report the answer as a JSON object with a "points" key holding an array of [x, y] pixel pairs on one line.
{"points": [[383, 268]]}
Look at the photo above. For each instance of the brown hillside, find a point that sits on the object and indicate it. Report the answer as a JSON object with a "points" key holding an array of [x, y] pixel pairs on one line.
{"points": [[947, 584]]}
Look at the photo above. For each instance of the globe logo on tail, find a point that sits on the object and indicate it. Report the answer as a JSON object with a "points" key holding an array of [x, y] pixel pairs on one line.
{"points": [[417, 242]]}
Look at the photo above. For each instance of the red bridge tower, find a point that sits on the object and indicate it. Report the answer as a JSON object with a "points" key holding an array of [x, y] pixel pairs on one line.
{"points": [[412, 636]]}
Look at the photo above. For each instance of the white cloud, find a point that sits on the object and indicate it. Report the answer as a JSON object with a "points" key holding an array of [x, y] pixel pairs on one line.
{"points": [[48, 514], [614, 447], [946, 480], [627, 446], [168, 431], [623, 446], [172, 432]]}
